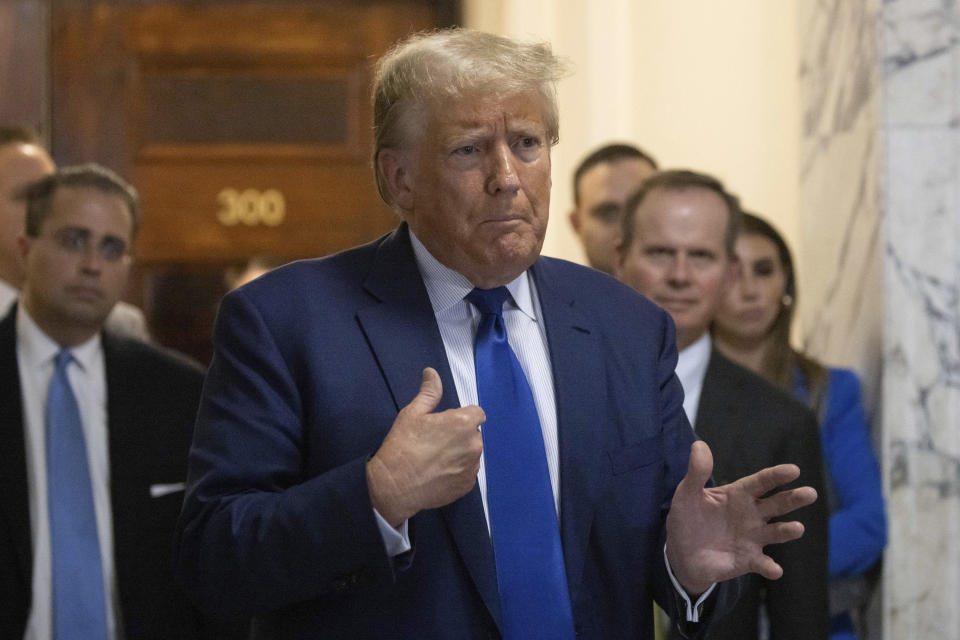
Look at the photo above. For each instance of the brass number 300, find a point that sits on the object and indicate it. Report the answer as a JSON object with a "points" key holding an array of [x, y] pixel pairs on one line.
{"points": [[251, 207]]}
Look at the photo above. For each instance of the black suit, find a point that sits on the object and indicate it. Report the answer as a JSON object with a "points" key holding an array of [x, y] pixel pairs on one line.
{"points": [[152, 398], [749, 424]]}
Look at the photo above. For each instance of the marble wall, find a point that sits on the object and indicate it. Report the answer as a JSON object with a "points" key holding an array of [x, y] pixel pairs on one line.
{"points": [[840, 275], [921, 63], [880, 218]]}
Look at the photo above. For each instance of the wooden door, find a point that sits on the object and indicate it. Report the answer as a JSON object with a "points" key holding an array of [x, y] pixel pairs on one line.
{"points": [[244, 125]]}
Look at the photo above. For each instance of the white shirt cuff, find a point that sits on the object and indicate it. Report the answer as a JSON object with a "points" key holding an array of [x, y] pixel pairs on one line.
{"points": [[694, 609], [395, 541]]}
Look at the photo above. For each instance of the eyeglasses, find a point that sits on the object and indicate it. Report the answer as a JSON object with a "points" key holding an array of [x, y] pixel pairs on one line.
{"points": [[78, 239]]}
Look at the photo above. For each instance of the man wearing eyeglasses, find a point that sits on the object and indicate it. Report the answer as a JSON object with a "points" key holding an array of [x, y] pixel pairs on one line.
{"points": [[23, 160], [94, 431]]}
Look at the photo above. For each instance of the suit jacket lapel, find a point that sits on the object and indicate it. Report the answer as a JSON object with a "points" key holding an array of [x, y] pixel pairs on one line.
{"points": [[403, 334], [121, 413], [15, 505], [121, 418], [577, 377], [400, 324]]}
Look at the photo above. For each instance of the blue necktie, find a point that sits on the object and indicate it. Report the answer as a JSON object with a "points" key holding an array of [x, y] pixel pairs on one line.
{"points": [[534, 599], [79, 609]]}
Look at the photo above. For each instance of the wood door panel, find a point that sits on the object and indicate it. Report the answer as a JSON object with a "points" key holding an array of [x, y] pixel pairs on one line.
{"points": [[198, 102], [326, 208], [23, 63], [187, 99]]}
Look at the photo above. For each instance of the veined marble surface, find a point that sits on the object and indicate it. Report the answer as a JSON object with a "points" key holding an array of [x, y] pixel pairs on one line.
{"points": [[881, 195], [921, 403], [922, 328], [839, 262]]}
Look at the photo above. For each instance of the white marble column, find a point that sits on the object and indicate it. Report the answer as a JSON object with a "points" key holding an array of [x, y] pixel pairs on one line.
{"points": [[880, 219]]}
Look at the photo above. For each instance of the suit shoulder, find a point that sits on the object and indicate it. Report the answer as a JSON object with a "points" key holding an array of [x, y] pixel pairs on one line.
{"points": [[600, 289], [328, 276], [154, 359], [763, 394], [349, 262]]}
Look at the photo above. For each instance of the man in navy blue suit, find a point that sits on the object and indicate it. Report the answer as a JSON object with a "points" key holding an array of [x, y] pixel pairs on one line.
{"points": [[338, 481]]}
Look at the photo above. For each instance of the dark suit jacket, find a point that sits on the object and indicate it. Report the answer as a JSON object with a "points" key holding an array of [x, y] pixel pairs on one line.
{"points": [[152, 398], [312, 363], [749, 424]]}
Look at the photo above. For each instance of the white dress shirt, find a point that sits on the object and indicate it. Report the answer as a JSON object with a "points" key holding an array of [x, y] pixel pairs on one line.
{"points": [[458, 321], [87, 375], [691, 369]]}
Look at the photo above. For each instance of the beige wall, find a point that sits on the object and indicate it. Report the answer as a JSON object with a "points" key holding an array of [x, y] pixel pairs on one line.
{"points": [[700, 84]]}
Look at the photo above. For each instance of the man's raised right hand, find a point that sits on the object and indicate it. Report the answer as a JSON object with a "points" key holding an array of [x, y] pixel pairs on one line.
{"points": [[428, 459]]}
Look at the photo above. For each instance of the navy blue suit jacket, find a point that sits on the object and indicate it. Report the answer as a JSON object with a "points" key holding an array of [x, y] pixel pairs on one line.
{"points": [[312, 363]]}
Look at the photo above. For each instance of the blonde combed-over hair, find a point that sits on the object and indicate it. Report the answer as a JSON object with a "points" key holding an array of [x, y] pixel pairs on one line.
{"points": [[432, 68]]}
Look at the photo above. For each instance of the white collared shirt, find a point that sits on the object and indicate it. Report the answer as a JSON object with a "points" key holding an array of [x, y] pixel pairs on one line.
{"points": [[692, 365], [87, 375], [458, 320]]}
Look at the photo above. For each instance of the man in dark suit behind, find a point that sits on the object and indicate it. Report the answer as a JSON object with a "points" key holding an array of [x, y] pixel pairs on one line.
{"points": [[677, 248], [22, 161], [336, 485], [135, 405], [602, 182]]}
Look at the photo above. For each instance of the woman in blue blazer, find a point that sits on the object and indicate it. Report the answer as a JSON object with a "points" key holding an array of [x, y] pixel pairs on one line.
{"points": [[753, 328]]}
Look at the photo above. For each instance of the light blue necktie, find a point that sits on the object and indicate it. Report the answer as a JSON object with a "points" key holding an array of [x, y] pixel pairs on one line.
{"points": [[534, 599], [79, 610]]}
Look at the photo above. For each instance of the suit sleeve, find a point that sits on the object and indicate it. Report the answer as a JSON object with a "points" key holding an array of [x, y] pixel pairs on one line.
{"points": [[798, 607], [255, 534], [858, 530]]}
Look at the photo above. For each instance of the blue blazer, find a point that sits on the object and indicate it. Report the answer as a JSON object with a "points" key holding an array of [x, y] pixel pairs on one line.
{"points": [[312, 363], [858, 524]]}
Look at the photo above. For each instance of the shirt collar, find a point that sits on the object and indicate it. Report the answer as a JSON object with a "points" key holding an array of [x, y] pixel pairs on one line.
{"points": [[38, 348], [692, 362], [447, 288], [7, 290]]}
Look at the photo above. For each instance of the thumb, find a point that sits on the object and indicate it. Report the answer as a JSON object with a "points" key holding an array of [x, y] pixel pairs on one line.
{"points": [[431, 390], [700, 466]]}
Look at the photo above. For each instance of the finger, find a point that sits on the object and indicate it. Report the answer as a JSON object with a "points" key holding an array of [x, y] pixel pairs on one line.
{"points": [[465, 418], [784, 502], [780, 532], [431, 390], [474, 415], [699, 467], [765, 566], [766, 480]]}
